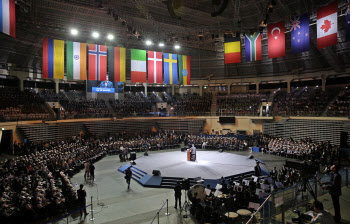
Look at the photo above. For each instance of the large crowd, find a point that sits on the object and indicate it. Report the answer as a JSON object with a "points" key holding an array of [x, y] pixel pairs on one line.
{"points": [[16, 105], [239, 104], [192, 104], [133, 105], [302, 102], [341, 105]]}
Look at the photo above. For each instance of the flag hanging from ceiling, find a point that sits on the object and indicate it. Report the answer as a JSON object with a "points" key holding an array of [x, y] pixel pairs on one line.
{"points": [[8, 17], [97, 62], [184, 70], [138, 65], [327, 25], [76, 60], [276, 40], [170, 69], [232, 47], [347, 15], [116, 64], [53, 59], [300, 34], [155, 67], [253, 47]]}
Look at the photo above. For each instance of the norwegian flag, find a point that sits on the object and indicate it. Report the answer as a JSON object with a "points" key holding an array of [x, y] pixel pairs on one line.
{"points": [[97, 62], [347, 16], [155, 67]]}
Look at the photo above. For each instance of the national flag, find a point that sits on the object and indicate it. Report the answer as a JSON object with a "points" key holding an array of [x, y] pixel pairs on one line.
{"points": [[327, 25], [347, 15], [53, 59], [116, 64], [76, 60], [300, 34], [138, 65], [8, 17], [97, 62], [232, 47], [276, 40], [155, 67], [170, 68], [185, 69], [253, 47]]}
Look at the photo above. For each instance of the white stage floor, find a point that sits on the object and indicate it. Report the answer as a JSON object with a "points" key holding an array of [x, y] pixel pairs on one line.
{"points": [[209, 164]]}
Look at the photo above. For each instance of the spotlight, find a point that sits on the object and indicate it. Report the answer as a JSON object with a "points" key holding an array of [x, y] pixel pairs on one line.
{"points": [[317, 86], [148, 42], [161, 44], [177, 46], [95, 35], [74, 32], [110, 37]]}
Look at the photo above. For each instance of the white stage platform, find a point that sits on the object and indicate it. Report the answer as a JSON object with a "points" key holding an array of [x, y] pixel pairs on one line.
{"points": [[209, 164]]}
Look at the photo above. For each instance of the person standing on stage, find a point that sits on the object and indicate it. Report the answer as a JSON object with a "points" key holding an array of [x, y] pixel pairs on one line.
{"points": [[193, 152], [92, 171], [87, 171], [257, 169], [82, 199], [128, 175], [334, 187], [177, 190]]}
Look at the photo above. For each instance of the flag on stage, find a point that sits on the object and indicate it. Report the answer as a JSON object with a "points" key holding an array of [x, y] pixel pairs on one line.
{"points": [[76, 60], [138, 65], [347, 15], [185, 70], [253, 47], [170, 68], [8, 17], [327, 25], [116, 64], [300, 34], [97, 62], [53, 59], [232, 47], [155, 67], [276, 40]]}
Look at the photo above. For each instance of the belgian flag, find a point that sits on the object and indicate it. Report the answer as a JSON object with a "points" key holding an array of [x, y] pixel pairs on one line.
{"points": [[232, 49]]}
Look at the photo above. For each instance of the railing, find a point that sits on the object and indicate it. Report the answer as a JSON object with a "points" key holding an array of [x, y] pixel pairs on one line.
{"points": [[280, 206], [66, 216], [157, 215]]}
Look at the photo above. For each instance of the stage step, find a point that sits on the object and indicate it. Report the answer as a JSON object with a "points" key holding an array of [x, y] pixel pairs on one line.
{"points": [[170, 182]]}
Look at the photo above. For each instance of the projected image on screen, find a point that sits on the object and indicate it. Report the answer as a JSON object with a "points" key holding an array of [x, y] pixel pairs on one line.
{"points": [[100, 86]]}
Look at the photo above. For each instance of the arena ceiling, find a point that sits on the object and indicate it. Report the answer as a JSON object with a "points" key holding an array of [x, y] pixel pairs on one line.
{"points": [[199, 34]]}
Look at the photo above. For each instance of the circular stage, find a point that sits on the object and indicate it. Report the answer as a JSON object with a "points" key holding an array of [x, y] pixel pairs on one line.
{"points": [[209, 164]]}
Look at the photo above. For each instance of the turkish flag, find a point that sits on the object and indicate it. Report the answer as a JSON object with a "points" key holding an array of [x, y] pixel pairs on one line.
{"points": [[327, 26], [276, 40]]}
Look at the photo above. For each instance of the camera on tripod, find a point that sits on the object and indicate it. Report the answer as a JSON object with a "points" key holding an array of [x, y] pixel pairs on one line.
{"points": [[307, 169], [185, 184]]}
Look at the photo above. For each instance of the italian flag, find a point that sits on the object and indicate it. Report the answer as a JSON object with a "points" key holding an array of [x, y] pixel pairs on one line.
{"points": [[185, 69], [138, 65], [76, 60]]}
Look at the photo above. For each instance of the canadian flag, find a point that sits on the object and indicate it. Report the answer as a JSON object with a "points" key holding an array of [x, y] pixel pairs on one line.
{"points": [[327, 26]]}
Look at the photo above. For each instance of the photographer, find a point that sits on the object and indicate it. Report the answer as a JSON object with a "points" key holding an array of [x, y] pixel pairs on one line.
{"points": [[334, 187], [321, 216], [177, 190]]}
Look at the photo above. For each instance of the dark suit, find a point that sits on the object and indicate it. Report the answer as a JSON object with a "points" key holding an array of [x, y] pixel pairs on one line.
{"points": [[177, 190], [106, 84], [335, 192]]}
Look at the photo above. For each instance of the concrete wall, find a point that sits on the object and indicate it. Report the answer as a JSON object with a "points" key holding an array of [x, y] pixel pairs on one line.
{"points": [[248, 124]]}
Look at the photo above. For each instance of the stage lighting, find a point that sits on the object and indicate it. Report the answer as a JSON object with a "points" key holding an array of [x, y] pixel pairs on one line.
{"points": [[74, 32], [110, 37], [95, 35], [161, 44], [148, 42], [177, 46]]}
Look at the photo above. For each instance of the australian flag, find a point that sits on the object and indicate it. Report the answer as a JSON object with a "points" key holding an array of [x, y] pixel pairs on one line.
{"points": [[347, 15], [300, 34]]}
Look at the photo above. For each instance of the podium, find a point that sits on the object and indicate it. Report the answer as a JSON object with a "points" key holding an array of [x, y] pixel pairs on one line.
{"points": [[188, 154]]}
